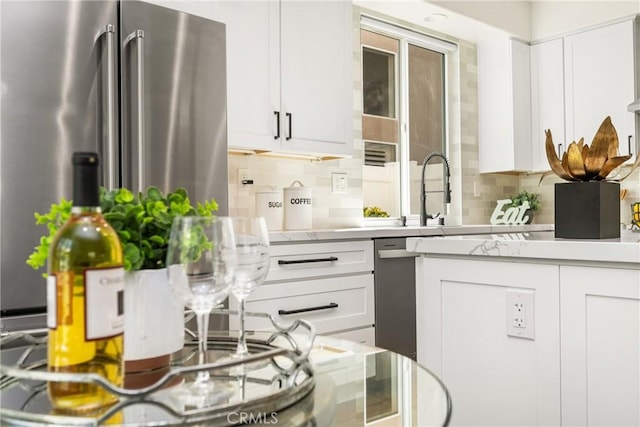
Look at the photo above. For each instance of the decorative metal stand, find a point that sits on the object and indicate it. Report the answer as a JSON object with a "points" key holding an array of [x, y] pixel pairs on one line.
{"points": [[276, 375]]}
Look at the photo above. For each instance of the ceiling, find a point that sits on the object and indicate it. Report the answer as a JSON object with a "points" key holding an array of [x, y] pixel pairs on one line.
{"points": [[457, 24], [477, 20]]}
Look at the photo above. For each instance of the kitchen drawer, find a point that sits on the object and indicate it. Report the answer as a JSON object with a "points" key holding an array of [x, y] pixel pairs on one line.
{"points": [[349, 301], [299, 261], [365, 336]]}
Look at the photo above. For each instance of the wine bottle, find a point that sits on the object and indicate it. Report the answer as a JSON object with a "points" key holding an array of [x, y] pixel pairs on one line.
{"points": [[85, 290]]}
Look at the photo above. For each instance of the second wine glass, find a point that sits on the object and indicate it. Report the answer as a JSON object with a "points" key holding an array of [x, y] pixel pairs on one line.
{"points": [[252, 252], [201, 262]]}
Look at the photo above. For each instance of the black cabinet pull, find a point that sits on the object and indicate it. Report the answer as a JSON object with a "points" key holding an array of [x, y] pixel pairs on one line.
{"points": [[305, 310], [630, 152], [290, 116], [277, 113], [303, 261]]}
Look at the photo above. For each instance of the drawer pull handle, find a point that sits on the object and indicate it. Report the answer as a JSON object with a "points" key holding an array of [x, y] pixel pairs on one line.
{"points": [[304, 310], [303, 261]]}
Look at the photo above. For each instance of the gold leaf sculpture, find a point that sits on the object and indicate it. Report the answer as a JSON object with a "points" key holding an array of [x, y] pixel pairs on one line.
{"points": [[583, 163]]}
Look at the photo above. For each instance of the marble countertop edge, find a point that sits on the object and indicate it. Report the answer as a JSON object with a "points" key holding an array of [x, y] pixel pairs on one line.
{"points": [[535, 245], [353, 233]]}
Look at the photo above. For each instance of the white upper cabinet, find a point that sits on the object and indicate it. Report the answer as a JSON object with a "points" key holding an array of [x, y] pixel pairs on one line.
{"points": [[290, 80], [547, 99], [575, 82], [253, 72], [600, 81], [317, 76], [504, 106]]}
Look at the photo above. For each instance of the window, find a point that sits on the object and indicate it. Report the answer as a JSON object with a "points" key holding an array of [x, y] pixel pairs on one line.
{"points": [[404, 105]]}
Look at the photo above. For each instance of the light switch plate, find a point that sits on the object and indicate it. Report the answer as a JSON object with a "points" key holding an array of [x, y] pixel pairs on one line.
{"points": [[339, 182]]}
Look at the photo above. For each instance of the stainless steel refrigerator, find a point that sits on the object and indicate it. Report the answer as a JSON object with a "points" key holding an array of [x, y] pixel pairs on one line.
{"points": [[143, 85]]}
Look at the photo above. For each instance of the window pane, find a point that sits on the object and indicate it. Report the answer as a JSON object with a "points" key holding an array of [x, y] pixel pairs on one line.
{"points": [[380, 131], [426, 124], [378, 82]]}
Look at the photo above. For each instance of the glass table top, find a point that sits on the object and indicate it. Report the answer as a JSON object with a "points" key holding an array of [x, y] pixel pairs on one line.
{"points": [[374, 386], [355, 385]]}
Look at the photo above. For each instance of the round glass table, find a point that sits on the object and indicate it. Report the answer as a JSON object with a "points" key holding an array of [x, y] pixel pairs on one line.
{"points": [[353, 385], [371, 386]]}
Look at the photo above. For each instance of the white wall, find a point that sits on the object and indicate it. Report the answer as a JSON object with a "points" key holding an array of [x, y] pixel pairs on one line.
{"points": [[551, 18]]}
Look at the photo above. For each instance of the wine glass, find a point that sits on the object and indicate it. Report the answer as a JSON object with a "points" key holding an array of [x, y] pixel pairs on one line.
{"points": [[200, 266], [252, 251]]}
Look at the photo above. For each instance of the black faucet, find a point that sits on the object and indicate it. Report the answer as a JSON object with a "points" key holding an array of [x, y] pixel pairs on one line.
{"points": [[423, 192]]}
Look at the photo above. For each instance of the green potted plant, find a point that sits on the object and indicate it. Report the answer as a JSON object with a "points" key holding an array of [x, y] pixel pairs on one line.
{"points": [[374, 212], [154, 322], [532, 198], [142, 221]]}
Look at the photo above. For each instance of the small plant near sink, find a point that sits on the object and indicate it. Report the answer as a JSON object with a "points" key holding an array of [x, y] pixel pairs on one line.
{"points": [[374, 212]]}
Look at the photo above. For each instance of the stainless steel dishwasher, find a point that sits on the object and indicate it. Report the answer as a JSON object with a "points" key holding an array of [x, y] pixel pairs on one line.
{"points": [[395, 296]]}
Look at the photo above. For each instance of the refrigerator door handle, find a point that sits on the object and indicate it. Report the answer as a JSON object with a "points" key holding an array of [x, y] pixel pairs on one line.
{"points": [[138, 36], [109, 152]]}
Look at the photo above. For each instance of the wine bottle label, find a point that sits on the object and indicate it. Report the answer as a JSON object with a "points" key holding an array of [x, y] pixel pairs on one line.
{"points": [[104, 302], [52, 303]]}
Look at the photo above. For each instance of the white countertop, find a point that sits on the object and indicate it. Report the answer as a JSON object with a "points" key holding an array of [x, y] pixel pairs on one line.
{"points": [[538, 245], [398, 231]]}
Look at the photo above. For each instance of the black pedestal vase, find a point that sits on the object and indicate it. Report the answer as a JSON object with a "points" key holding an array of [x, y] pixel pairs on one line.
{"points": [[587, 210]]}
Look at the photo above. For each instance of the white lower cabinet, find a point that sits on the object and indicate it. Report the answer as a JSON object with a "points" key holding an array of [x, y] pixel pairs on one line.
{"points": [[329, 284], [462, 316], [333, 304], [600, 333], [582, 367]]}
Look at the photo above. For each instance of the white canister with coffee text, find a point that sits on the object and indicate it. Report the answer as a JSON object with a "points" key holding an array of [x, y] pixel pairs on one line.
{"points": [[297, 207], [269, 206]]}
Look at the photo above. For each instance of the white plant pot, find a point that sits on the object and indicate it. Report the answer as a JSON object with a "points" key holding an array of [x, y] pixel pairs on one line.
{"points": [[153, 319]]}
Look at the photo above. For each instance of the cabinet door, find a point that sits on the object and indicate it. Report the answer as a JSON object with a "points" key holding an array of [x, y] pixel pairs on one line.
{"points": [[504, 106], [317, 78], [547, 99], [520, 54], [462, 319], [600, 339], [253, 72], [599, 78]]}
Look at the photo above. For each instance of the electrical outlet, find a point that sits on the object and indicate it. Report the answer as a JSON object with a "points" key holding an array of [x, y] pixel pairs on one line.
{"points": [[520, 313], [244, 177]]}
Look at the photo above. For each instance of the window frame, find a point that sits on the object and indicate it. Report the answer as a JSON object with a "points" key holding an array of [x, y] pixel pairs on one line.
{"points": [[405, 38]]}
